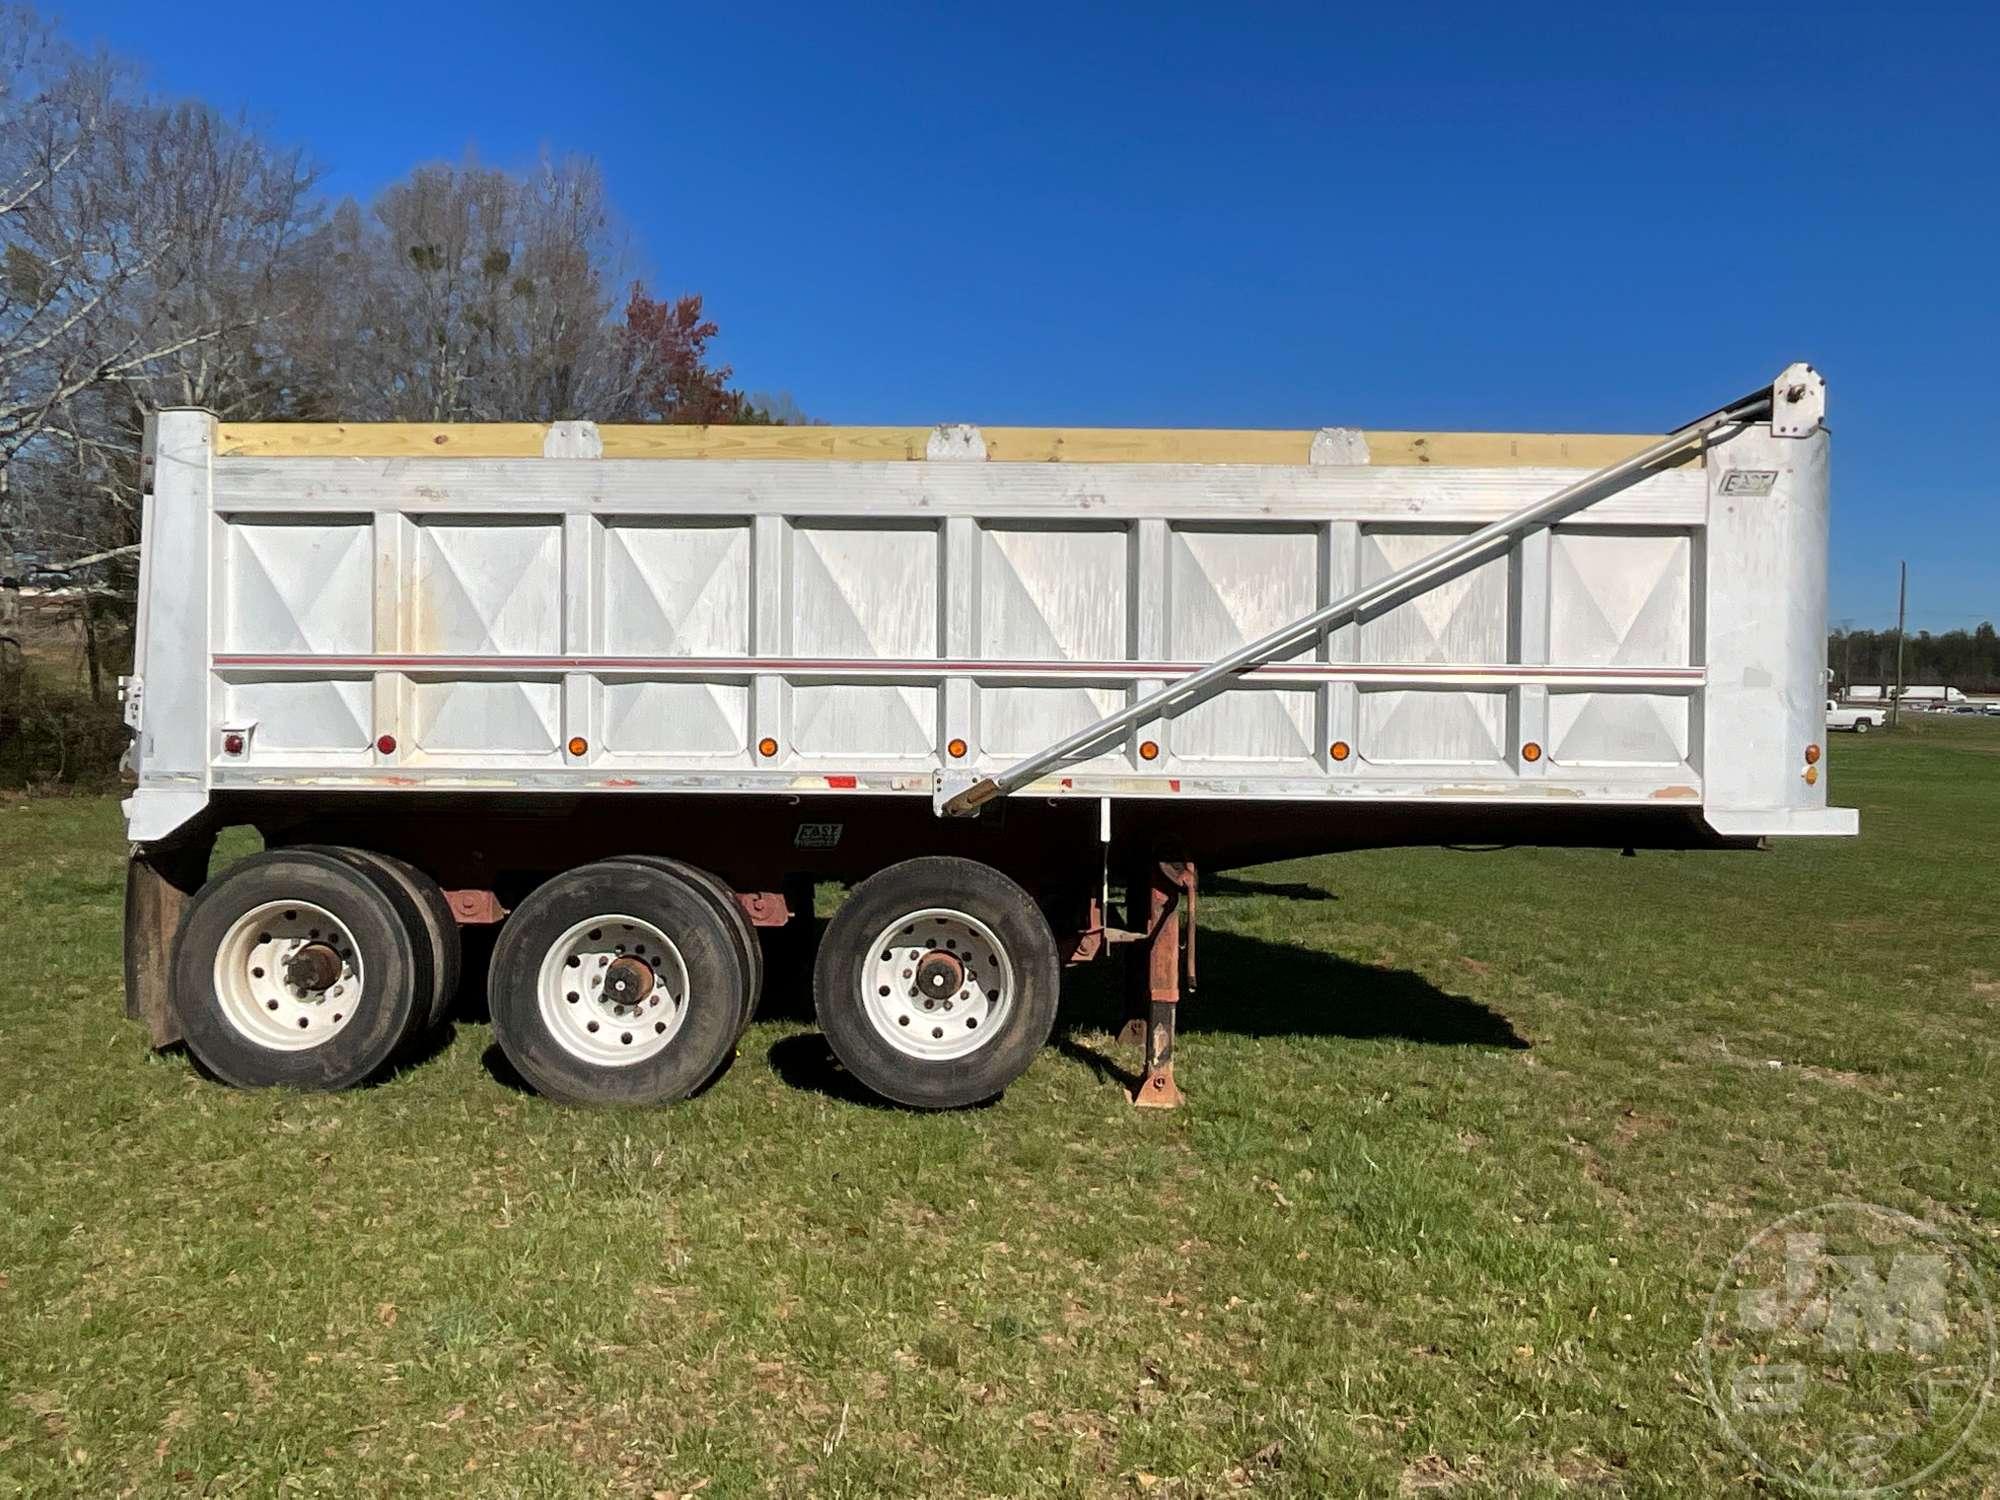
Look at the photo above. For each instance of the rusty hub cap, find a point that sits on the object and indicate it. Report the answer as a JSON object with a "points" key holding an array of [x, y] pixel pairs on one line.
{"points": [[939, 976], [312, 968], [628, 981]]}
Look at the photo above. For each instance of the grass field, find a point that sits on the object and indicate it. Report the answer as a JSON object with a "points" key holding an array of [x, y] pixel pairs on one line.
{"points": [[1471, 1136]]}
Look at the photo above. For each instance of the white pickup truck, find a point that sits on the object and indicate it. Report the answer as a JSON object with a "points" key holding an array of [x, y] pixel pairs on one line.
{"points": [[1860, 720]]}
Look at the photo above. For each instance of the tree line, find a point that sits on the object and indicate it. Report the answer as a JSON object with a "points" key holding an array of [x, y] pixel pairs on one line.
{"points": [[1968, 660], [157, 252]]}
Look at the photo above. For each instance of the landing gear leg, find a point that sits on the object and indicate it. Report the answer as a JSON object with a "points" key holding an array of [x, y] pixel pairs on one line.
{"points": [[1161, 965], [1137, 975]]}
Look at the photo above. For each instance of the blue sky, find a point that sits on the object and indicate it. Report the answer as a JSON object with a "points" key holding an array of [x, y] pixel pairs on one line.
{"points": [[1482, 217]]}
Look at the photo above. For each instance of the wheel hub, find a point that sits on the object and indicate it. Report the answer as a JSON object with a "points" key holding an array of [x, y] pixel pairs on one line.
{"points": [[313, 968], [288, 975], [628, 981], [939, 976], [937, 984], [613, 990]]}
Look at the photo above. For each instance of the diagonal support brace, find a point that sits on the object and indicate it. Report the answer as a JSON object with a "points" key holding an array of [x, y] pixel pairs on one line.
{"points": [[958, 799]]}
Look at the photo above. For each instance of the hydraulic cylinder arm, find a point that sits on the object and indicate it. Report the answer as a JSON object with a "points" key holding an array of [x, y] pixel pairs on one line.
{"points": [[1794, 396]]}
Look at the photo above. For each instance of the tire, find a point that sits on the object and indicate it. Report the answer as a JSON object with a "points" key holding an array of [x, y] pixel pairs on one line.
{"points": [[955, 1046], [743, 932], [240, 1015], [1860, 726], [435, 927], [552, 976]]}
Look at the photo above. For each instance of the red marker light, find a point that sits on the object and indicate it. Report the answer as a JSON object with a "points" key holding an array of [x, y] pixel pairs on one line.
{"points": [[232, 744], [387, 744]]}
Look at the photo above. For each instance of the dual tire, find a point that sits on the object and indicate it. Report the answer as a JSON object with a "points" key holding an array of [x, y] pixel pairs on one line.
{"points": [[624, 982], [312, 968], [629, 981]]}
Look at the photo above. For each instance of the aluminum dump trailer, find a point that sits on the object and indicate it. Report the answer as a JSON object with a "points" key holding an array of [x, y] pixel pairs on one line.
{"points": [[628, 692]]}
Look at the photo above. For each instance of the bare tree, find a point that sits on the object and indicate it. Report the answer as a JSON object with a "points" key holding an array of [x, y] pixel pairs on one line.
{"points": [[155, 253], [64, 253], [466, 294], [146, 252], [143, 251], [781, 409]]}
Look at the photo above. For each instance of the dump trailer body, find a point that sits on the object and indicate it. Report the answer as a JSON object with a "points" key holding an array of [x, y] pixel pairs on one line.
{"points": [[461, 618], [628, 692]]}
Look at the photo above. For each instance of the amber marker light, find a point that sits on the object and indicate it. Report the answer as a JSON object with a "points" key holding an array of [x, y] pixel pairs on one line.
{"points": [[767, 747], [1148, 750], [1812, 755], [1812, 775], [1531, 751], [579, 745], [1341, 750], [957, 749]]}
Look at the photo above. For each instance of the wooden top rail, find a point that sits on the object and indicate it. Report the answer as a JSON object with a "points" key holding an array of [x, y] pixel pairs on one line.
{"points": [[1476, 450]]}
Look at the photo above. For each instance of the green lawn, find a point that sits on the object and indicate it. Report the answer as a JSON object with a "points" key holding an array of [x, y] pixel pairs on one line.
{"points": [[1471, 1136]]}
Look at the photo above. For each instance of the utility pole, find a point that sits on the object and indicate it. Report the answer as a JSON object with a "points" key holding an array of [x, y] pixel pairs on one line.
{"points": [[1902, 602]]}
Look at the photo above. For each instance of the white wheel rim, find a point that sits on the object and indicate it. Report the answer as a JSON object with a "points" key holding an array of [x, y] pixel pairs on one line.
{"points": [[909, 1004], [595, 1026], [254, 976]]}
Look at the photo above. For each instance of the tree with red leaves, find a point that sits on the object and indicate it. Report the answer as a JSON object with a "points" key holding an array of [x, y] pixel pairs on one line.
{"points": [[665, 348]]}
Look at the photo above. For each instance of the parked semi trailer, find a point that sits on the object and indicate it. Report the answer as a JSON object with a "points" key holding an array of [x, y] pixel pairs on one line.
{"points": [[628, 691], [1931, 695]]}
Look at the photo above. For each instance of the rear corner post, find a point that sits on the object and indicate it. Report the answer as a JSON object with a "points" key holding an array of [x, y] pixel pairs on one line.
{"points": [[167, 695], [160, 880]]}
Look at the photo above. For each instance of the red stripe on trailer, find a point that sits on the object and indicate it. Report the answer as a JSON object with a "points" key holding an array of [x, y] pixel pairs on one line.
{"points": [[840, 782], [983, 667]]}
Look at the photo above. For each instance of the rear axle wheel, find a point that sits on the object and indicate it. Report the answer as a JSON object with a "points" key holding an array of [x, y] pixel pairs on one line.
{"points": [[937, 981]]}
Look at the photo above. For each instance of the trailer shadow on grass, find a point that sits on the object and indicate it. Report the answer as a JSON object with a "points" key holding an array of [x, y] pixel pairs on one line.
{"points": [[1251, 986], [805, 1062], [1241, 885], [1255, 987]]}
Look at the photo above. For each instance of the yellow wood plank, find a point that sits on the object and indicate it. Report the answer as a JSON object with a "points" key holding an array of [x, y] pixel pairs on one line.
{"points": [[1504, 450], [1478, 450], [379, 439], [1146, 445], [851, 444]]}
